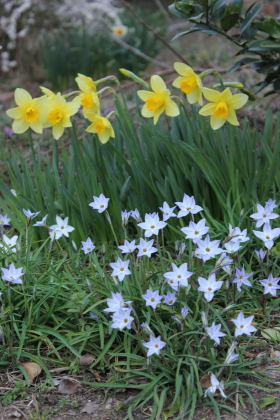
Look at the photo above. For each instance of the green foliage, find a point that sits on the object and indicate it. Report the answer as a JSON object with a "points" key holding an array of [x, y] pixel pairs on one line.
{"points": [[66, 52], [257, 38], [228, 171]]}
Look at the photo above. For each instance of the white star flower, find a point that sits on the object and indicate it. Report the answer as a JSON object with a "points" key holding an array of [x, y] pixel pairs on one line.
{"points": [[88, 246], [100, 203], [62, 226], [128, 247], [214, 332], [12, 274], [41, 222], [29, 214], [260, 254], [209, 286], [270, 285], [187, 206], [116, 303], [178, 277], [154, 345], [241, 278], [264, 215], [267, 235], [152, 298], [122, 319], [120, 269], [169, 298], [195, 230], [232, 246], [207, 249], [152, 224], [215, 385], [167, 211], [4, 220], [9, 244], [235, 234], [146, 248], [243, 325]]}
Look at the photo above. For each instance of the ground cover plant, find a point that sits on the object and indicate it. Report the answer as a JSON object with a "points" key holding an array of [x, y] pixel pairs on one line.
{"points": [[174, 322]]}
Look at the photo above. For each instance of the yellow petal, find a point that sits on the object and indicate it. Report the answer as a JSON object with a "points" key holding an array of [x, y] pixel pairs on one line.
{"points": [[15, 112], [171, 109], [238, 100], [195, 96], [157, 84], [50, 94], [104, 136], [22, 97], [177, 81], [145, 94], [71, 108], [211, 95], [183, 69], [37, 127], [216, 122], [57, 131], [93, 117], [146, 112], [157, 114], [207, 110], [231, 117], [65, 122], [226, 95], [90, 128], [20, 126]]}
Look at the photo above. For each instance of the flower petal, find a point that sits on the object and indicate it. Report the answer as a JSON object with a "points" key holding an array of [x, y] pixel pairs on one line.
{"points": [[211, 95], [208, 109], [183, 69], [20, 126], [216, 122], [104, 136], [226, 95], [238, 100], [157, 114], [22, 97], [145, 94], [57, 131], [15, 112], [171, 109], [157, 84], [146, 112], [231, 117], [37, 127]]}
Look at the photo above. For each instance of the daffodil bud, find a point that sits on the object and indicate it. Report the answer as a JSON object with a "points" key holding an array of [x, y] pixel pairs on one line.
{"points": [[229, 84], [133, 76]]}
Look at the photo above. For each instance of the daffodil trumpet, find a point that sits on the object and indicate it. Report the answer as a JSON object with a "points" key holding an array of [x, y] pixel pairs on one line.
{"points": [[189, 82]]}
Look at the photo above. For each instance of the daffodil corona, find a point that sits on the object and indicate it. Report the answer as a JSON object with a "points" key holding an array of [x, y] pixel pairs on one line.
{"points": [[58, 114], [222, 106], [88, 97], [158, 101], [189, 83], [101, 126], [30, 113]]}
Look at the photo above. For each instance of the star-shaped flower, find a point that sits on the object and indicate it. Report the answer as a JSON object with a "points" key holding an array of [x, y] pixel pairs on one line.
{"points": [[12, 274], [241, 278], [152, 224], [128, 247], [179, 276], [120, 269], [232, 246], [243, 325], [187, 206], [100, 203], [62, 226], [195, 230], [169, 298], [154, 345], [209, 286], [29, 213], [4, 220], [267, 235], [215, 385], [122, 319], [152, 298], [116, 303], [9, 244], [207, 249], [41, 222], [88, 246], [214, 332], [146, 248], [167, 211], [264, 215], [235, 234], [270, 285]]}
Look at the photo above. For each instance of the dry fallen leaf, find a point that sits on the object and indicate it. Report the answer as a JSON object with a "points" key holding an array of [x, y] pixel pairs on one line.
{"points": [[15, 414], [32, 370], [90, 408], [274, 353], [205, 381], [68, 385], [96, 374], [87, 359]]}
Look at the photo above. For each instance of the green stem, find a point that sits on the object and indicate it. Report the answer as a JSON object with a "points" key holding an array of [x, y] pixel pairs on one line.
{"points": [[111, 226], [31, 144]]}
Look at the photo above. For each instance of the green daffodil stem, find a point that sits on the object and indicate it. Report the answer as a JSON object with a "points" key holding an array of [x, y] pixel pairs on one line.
{"points": [[107, 79], [99, 93], [220, 78], [177, 99], [68, 95], [111, 114], [31, 144]]}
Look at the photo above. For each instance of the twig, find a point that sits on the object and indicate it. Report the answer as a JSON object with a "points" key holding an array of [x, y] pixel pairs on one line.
{"points": [[154, 32], [19, 410], [140, 53], [163, 11]]}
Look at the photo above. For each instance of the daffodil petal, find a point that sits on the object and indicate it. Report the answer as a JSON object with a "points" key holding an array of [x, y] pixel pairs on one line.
{"points": [[226, 95], [157, 84], [157, 114], [177, 81], [231, 117], [71, 108], [208, 109], [211, 95], [145, 94], [20, 126], [216, 122], [104, 136], [57, 131], [171, 109], [195, 96], [90, 128], [15, 112], [37, 127], [146, 112], [22, 97], [183, 69], [238, 100]]}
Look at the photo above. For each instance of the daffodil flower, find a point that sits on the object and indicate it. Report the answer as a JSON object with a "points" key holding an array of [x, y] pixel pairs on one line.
{"points": [[158, 101], [58, 114], [101, 126], [222, 106], [88, 97], [88, 80], [30, 113], [189, 83], [49, 93]]}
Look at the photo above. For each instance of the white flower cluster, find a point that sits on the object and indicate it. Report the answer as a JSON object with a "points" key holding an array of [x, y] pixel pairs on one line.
{"points": [[18, 16]]}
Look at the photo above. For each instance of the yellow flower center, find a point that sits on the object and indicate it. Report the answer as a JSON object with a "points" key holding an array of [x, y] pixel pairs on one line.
{"points": [[241, 277], [153, 299], [171, 301], [122, 269], [241, 326], [179, 277], [221, 110], [89, 249], [125, 320], [62, 227], [171, 281], [87, 101], [100, 126], [156, 346], [196, 232], [119, 31], [102, 206], [188, 85], [269, 284], [31, 114], [210, 289], [152, 227], [145, 250], [207, 250], [267, 237], [153, 103], [55, 116]]}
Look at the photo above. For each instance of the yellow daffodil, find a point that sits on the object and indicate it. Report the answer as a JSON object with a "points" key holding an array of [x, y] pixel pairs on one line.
{"points": [[189, 83], [87, 80], [88, 97], [119, 31], [58, 114], [49, 93], [101, 126], [222, 106], [30, 113], [158, 101]]}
